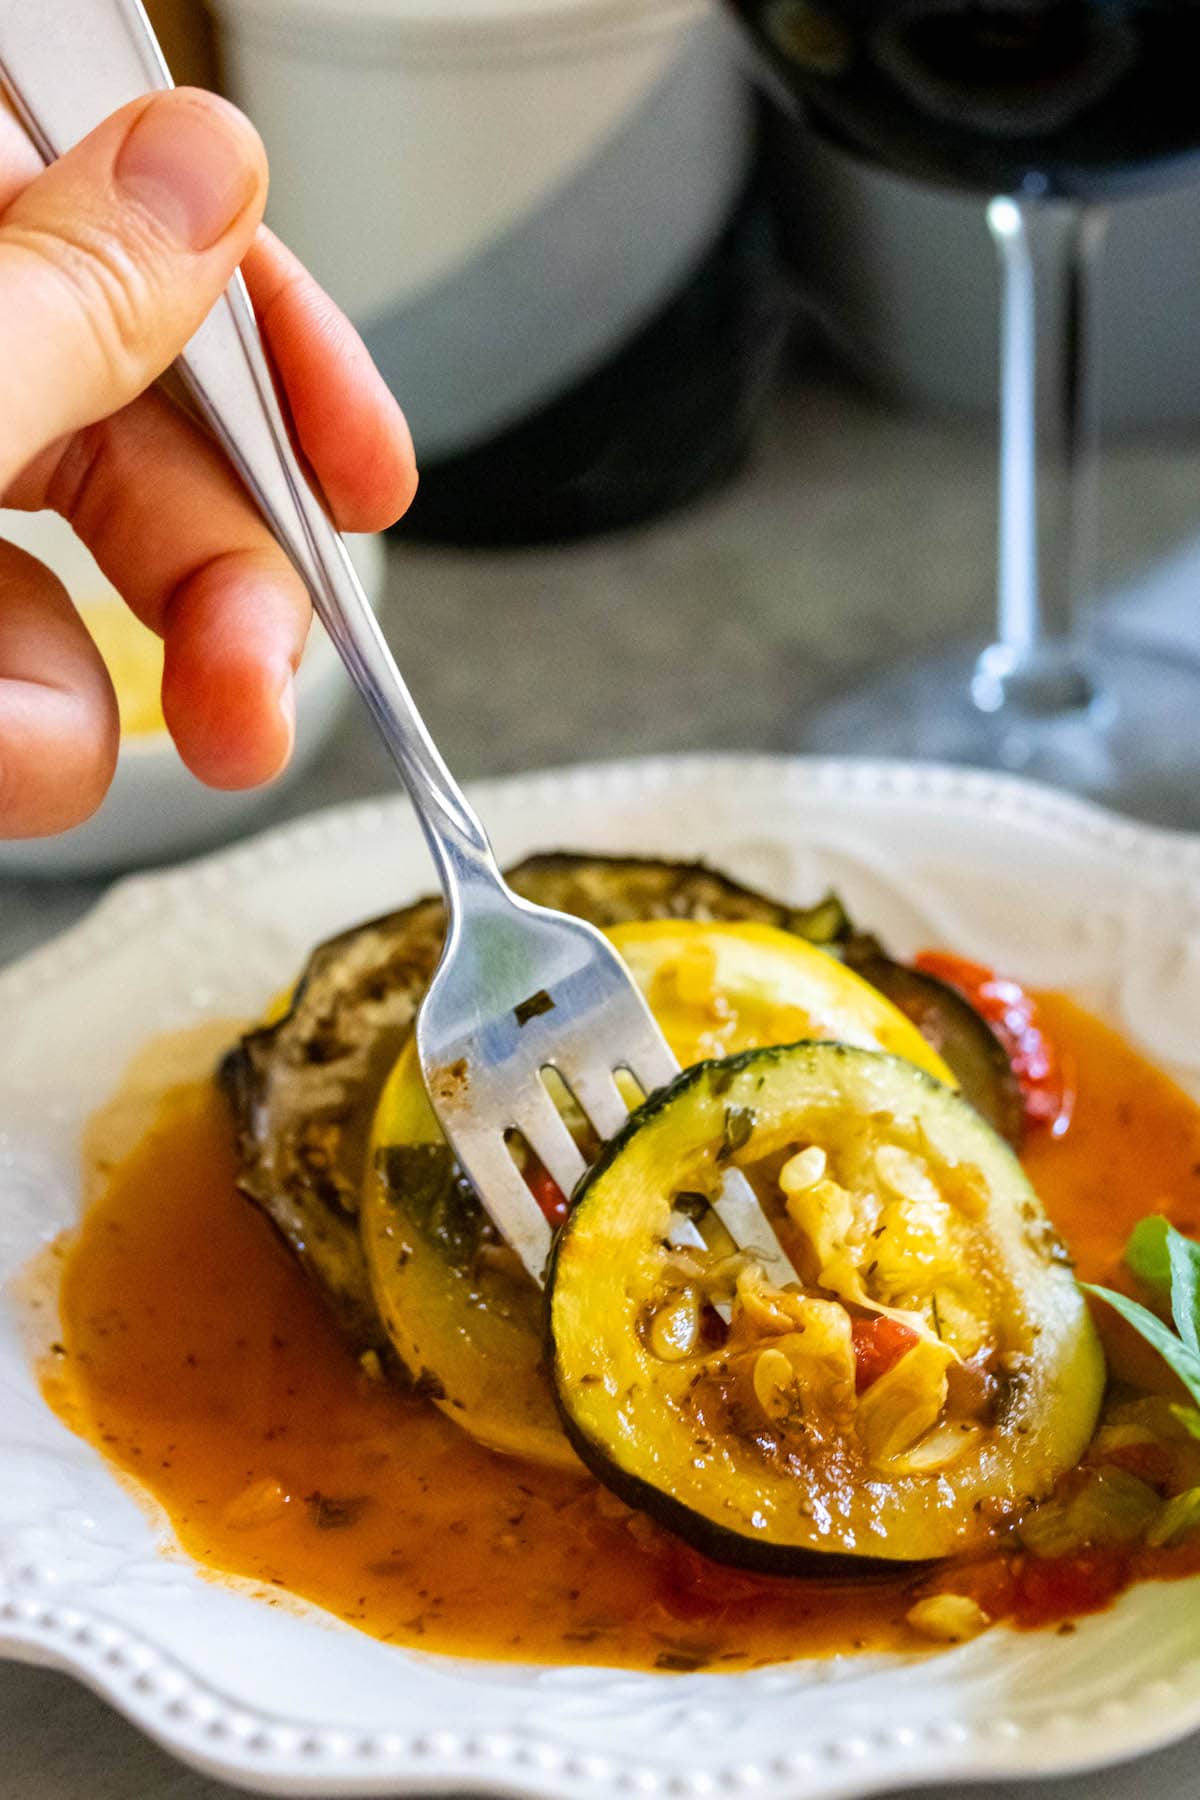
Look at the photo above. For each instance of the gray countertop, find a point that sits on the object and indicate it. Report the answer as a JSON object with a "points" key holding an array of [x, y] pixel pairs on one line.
{"points": [[855, 534]]}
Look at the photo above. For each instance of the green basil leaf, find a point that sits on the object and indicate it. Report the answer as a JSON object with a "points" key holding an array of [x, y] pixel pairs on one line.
{"points": [[1169, 1265], [1185, 1286], [1175, 1353], [1147, 1256]]}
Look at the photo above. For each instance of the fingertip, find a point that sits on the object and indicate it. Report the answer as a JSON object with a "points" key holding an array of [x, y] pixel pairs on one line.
{"points": [[195, 165], [59, 727], [350, 425], [224, 109], [235, 635], [58, 755], [113, 256], [362, 450], [379, 483], [234, 725]]}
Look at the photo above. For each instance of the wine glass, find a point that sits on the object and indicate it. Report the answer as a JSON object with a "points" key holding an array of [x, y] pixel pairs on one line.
{"points": [[1053, 108]]}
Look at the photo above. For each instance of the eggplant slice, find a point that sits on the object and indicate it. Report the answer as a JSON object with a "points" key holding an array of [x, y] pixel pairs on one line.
{"points": [[304, 1088], [951, 1024]]}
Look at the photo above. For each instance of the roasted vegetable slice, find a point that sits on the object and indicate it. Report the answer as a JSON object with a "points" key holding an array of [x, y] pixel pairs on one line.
{"points": [[716, 989], [304, 1088], [457, 1305], [794, 1430], [981, 1064]]}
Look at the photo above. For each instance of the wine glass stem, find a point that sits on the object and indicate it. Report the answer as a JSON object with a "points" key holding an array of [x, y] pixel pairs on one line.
{"points": [[1037, 666]]}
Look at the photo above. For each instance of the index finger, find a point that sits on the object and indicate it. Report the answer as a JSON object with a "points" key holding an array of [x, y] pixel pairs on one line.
{"points": [[349, 426]]}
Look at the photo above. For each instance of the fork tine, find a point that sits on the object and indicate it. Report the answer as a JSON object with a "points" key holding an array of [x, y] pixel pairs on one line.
{"points": [[538, 1120], [649, 1058], [738, 1209], [737, 1206], [526, 992], [597, 1093], [485, 1159]]}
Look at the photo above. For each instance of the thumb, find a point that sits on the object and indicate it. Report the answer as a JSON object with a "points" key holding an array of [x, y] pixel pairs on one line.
{"points": [[111, 258]]}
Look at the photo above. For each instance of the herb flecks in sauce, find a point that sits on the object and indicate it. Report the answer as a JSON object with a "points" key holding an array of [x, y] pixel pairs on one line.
{"points": [[202, 1362]]}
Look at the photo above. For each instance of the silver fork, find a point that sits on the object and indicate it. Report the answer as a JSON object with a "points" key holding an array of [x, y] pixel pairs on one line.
{"points": [[519, 989]]}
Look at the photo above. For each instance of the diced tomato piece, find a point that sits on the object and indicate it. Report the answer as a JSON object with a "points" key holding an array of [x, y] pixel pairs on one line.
{"points": [[1042, 1074], [1068, 1585], [546, 1192], [1032, 1592], [879, 1344], [691, 1586]]}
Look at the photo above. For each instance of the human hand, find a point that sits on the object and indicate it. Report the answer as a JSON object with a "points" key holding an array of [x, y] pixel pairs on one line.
{"points": [[109, 260]]}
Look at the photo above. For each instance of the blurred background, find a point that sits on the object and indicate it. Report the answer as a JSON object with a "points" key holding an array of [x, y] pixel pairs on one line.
{"points": [[704, 407], [705, 412]]}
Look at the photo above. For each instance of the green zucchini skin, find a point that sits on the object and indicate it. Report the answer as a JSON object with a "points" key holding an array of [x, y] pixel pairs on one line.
{"points": [[715, 1541], [705, 1535], [731, 1547], [921, 1520]]}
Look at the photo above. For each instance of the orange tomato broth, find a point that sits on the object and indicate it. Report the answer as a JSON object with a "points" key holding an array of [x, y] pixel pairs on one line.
{"points": [[197, 1356]]}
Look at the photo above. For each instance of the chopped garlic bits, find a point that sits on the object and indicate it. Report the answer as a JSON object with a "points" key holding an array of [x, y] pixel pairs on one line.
{"points": [[882, 1228], [948, 1618], [801, 1171], [808, 1369], [892, 1293], [675, 1327]]}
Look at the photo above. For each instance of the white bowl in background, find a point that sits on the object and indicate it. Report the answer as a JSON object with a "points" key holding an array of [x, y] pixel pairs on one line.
{"points": [[500, 193], [155, 809]]}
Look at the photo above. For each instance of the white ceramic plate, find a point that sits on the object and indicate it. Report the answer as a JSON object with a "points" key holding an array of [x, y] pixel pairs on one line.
{"points": [[294, 1703]]}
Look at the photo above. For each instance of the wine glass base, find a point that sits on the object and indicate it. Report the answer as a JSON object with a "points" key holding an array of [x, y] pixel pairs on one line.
{"points": [[1135, 748]]}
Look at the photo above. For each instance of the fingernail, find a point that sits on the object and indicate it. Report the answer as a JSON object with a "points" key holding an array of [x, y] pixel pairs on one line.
{"points": [[193, 163]]}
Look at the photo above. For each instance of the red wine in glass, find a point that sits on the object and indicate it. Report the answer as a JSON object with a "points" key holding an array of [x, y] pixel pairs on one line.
{"points": [[1081, 100]]}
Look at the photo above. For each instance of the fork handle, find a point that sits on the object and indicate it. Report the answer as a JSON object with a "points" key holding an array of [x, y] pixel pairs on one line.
{"points": [[67, 64], [226, 372]]}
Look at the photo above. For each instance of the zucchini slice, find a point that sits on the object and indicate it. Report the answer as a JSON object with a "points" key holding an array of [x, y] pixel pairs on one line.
{"points": [[305, 1085], [459, 1310], [933, 1369]]}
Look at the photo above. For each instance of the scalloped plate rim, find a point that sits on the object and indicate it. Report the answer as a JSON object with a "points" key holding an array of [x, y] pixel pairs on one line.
{"points": [[224, 1738]]}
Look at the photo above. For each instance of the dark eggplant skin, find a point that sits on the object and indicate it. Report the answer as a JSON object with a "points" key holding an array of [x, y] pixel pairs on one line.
{"points": [[303, 1092], [960, 1035], [303, 1088]]}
